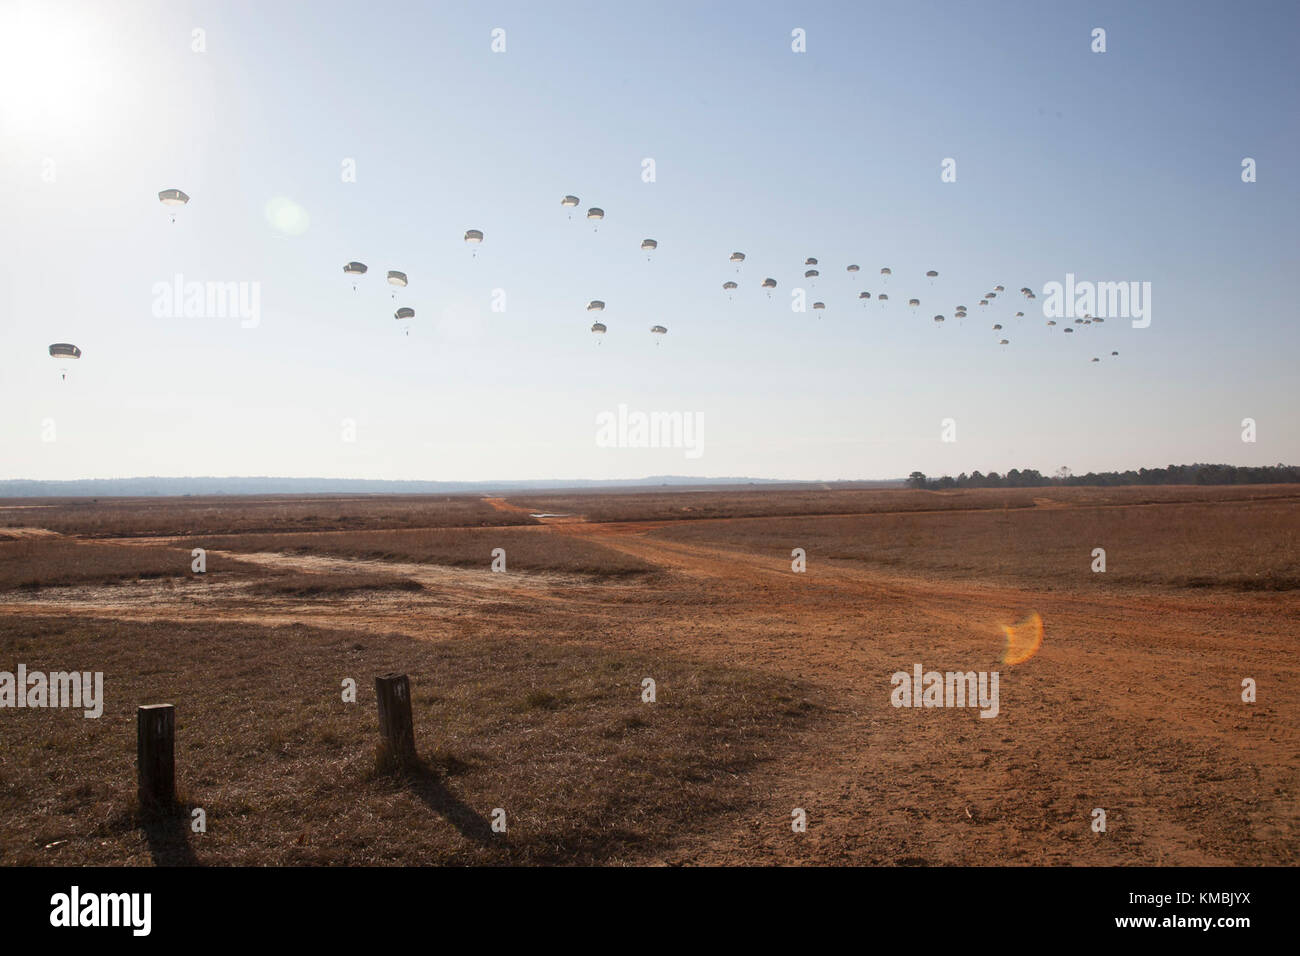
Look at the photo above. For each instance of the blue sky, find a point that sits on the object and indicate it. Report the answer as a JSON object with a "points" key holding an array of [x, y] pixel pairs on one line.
{"points": [[1115, 166]]}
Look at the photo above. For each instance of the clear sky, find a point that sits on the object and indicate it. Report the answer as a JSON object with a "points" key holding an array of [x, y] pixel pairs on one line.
{"points": [[1115, 166]]}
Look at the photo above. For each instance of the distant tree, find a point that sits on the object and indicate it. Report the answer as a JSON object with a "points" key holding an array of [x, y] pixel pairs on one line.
{"points": [[916, 480]]}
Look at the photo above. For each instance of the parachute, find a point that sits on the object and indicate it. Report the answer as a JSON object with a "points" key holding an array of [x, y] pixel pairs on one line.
{"points": [[998, 288], [648, 245], [173, 198], [882, 297], [997, 328], [729, 286], [64, 350], [932, 275], [397, 279], [403, 314], [819, 305], [914, 302], [1068, 329], [355, 270], [1095, 359], [984, 301], [1051, 321], [769, 283], [852, 269], [473, 237], [1004, 342], [1114, 353], [598, 328], [811, 274], [569, 201], [658, 330], [938, 318], [595, 214], [810, 261], [864, 295], [1020, 315], [595, 305]]}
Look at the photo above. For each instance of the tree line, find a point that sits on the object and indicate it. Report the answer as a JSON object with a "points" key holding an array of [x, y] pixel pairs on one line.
{"points": [[1197, 474]]}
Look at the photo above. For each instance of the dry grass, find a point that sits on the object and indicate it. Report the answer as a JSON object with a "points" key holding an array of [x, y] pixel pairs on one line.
{"points": [[1241, 545], [286, 772], [526, 550], [306, 585], [35, 563], [161, 517], [661, 506]]}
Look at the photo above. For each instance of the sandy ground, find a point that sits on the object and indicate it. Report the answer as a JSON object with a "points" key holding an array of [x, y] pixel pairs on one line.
{"points": [[1132, 705]]}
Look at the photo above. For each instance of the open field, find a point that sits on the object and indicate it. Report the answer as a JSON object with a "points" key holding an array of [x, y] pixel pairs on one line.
{"points": [[773, 687]]}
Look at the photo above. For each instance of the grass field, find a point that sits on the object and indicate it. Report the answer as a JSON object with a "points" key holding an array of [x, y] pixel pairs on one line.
{"points": [[773, 686]]}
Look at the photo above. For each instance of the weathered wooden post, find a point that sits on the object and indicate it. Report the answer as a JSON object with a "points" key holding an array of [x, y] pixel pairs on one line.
{"points": [[393, 692], [155, 752]]}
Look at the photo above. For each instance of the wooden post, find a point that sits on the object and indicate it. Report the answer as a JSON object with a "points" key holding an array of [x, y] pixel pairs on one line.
{"points": [[156, 754], [393, 692]]}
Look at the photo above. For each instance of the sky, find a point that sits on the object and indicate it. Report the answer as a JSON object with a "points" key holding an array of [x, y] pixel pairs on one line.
{"points": [[1115, 166]]}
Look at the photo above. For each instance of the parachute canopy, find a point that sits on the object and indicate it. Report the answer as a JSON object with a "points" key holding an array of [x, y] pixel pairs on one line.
{"points": [[473, 235], [595, 212], [173, 197], [64, 350], [355, 269], [886, 271], [658, 330], [397, 278], [598, 328], [938, 318], [913, 302], [864, 295], [595, 305], [769, 283], [729, 285], [569, 201], [810, 261], [931, 274], [1004, 342], [811, 274], [737, 257], [852, 268], [648, 244], [997, 328], [404, 313], [819, 305]]}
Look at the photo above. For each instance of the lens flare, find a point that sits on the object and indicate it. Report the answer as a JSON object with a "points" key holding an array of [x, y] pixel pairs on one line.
{"points": [[1023, 639]]}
